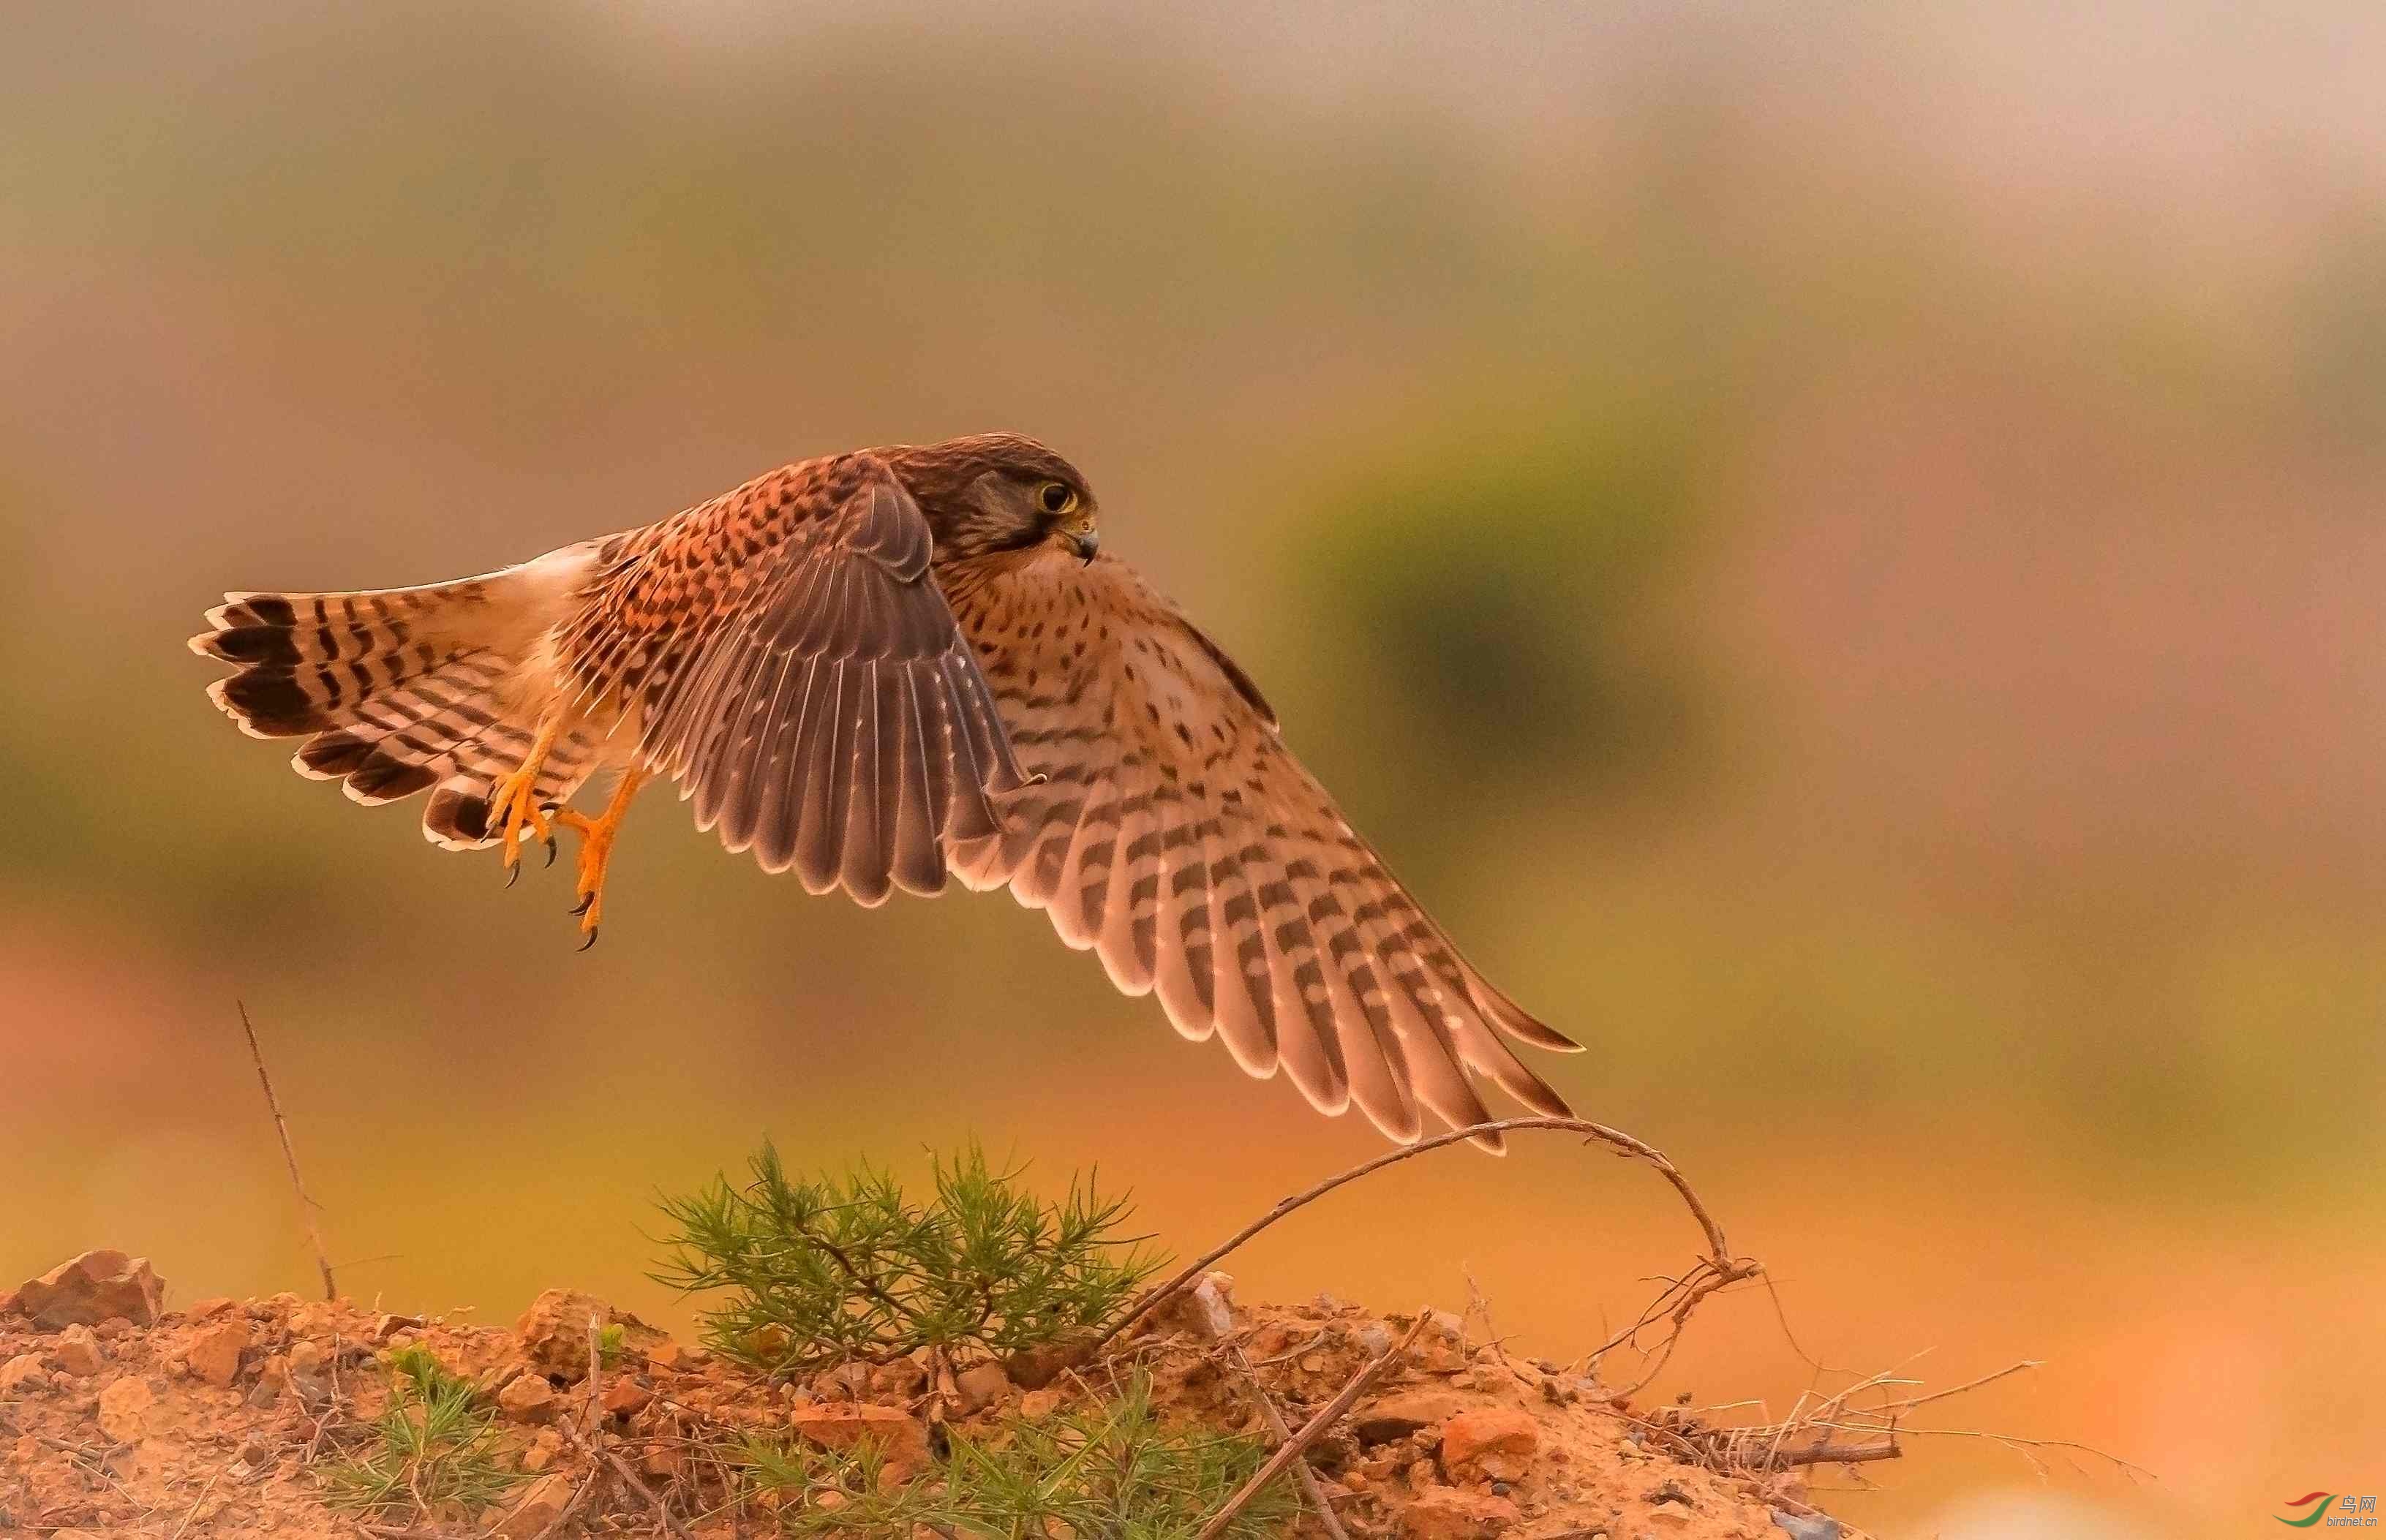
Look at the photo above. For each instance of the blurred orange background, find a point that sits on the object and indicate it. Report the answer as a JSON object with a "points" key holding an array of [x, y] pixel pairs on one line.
{"points": [[1841, 549]]}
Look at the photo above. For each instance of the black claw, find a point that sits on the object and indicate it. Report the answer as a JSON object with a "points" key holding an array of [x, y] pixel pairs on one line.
{"points": [[550, 852], [513, 874], [590, 941], [582, 907]]}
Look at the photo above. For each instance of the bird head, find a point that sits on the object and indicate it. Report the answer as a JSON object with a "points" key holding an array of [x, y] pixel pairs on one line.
{"points": [[999, 492]]}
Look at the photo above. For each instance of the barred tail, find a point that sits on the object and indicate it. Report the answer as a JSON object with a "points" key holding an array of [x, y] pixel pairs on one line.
{"points": [[400, 690]]}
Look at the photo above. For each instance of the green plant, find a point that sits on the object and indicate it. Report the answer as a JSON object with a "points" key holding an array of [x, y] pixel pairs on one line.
{"points": [[608, 1345], [1108, 1471], [431, 1448], [847, 1267]]}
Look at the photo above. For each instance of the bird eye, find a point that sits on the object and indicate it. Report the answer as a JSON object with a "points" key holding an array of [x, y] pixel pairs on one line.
{"points": [[1056, 497]]}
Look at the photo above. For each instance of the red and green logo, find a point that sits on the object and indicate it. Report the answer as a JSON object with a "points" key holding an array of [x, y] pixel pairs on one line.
{"points": [[2317, 1501]]}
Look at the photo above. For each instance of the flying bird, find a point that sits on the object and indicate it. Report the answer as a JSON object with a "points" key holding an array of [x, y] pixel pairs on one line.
{"points": [[894, 669]]}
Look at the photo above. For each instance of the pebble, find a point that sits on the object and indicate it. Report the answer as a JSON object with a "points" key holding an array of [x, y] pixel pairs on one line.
{"points": [[539, 1508], [214, 1351], [901, 1438], [124, 1408], [626, 1398], [1498, 1442], [981, 1385], [528, 1398], [79, 1351], [1447, 1513]]}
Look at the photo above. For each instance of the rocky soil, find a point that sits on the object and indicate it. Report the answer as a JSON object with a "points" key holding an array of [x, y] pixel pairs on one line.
{"points": [[121, 1417]]}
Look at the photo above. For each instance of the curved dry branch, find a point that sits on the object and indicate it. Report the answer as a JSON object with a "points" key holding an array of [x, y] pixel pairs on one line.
{"points": [[1719, 1268]]}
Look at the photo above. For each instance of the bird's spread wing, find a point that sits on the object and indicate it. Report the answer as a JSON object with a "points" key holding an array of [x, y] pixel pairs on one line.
{"points": [[1173, 835], [791, 663]]}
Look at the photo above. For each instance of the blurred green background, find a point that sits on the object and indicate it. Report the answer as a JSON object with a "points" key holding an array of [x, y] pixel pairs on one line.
{"points": [[1839, 549]]}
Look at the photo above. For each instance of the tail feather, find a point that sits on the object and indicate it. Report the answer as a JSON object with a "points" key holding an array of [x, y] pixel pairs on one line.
{"points": [[397, 691]]}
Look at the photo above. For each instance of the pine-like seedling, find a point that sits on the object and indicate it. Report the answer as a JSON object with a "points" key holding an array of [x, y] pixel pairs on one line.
{"points": [[848, 1268], [1108, 1470], [431, 1449]]}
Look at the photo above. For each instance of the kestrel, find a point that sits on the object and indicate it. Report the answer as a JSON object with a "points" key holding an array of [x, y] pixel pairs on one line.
{"points": [[889, 668]]}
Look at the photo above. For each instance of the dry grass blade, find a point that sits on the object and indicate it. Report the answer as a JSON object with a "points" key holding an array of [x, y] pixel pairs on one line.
{"points": [[289, 1153]]}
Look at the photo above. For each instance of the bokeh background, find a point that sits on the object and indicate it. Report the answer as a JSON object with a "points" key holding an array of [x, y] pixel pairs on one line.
{"points": [[1839, 547]]}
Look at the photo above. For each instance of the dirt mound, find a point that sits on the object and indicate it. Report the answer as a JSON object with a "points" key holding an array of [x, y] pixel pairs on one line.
{"points": [[223, 1418]]}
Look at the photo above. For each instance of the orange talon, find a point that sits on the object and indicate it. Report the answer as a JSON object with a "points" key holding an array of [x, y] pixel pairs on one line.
{"points": [[596, 836], [513, 804]]}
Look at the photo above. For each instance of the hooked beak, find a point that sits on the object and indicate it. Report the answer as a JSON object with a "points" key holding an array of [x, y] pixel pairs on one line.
{"points": [[1085, 543]]}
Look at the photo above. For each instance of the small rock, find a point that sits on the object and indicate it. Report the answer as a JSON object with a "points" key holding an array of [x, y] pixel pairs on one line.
{"points": [[1376, 1339], [528, 1398], [625, 1398], [315, 1318], [1800, 1526], [1674, 1515], [1447, 1513], [388, 1326], [208, 1308], [1442, 1349], [252, 1454], [540, 1507], [675, 1357], [1498, 1442], [899, 1381], [543, 1449], [1034, 1367], [214, 1350], [124, 1408], [90, 1289], [1399, 1416], [112, 1328], [23, 1374], [901, 1438], [1206, 1308], [78, 1351], [1037, 1405], [663, 1461], [1313, 1363], [981, 1385], [554, 1331], [305, 1357]]}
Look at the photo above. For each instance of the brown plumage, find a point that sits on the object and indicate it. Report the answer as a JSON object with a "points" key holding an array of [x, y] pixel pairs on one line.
{"points": [[884, 668]]}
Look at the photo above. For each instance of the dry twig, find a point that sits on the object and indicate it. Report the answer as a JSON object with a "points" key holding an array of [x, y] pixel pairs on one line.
{"points": [[307, 1205], [1718, 1269], [1309, 1482], [1311, 1432]]}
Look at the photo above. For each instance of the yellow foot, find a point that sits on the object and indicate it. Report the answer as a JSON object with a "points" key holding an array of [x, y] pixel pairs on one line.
{"points": [[596, 836], [513, 805]]}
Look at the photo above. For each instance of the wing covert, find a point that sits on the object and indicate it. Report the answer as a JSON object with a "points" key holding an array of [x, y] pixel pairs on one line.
{"points": [[797, 670]]}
